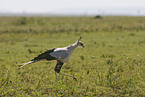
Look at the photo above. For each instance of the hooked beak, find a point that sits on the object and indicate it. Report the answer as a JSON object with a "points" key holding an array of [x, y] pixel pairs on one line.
{"points": [[83, 45]]}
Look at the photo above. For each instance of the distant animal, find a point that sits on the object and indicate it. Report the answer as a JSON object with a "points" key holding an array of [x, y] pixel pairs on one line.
{"points": [[61, 55], [98, 17]]}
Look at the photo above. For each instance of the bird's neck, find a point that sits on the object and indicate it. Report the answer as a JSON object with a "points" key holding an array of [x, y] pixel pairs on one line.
{"points": [[72, 46]]}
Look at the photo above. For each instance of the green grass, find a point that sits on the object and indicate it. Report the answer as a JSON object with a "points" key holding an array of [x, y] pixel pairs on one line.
{"points": [[111, 64]]}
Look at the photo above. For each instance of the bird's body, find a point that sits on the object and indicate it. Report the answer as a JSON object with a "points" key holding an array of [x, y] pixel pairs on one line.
{"points": [[61, 55]]}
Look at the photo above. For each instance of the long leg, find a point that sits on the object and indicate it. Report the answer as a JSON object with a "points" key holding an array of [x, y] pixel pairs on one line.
{"points": [[55, 74], [69, 76], [57, 70]]}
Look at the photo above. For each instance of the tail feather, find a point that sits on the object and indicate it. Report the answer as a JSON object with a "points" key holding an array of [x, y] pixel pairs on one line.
{"points": [[23, 64]]}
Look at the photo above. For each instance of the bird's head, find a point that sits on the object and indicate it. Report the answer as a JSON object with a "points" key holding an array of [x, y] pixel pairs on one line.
{"points": [[79, 43]]}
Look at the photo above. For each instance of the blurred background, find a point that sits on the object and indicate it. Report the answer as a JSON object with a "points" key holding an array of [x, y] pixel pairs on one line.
{"points": [[72, 7]]}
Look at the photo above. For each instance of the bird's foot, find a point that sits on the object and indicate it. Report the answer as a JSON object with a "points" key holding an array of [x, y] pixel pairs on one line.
{"points": [[70, 76], [75, 78]]}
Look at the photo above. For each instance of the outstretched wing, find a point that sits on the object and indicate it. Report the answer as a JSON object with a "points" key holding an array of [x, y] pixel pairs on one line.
{"points": [[58, 66], [45, 55], [60, 53]]}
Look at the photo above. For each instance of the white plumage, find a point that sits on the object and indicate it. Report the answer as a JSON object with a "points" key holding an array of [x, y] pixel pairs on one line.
{"points": [[64, 54]]}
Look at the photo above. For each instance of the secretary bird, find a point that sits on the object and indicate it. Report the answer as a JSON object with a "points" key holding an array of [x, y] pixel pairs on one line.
{"points": [[61, 55]]}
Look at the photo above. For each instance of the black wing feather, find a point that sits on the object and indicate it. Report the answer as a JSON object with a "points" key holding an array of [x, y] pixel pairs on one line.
{"points": [[45, 55]]}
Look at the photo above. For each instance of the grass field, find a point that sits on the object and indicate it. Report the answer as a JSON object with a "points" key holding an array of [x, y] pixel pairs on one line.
{"points": [[111, 64]]}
